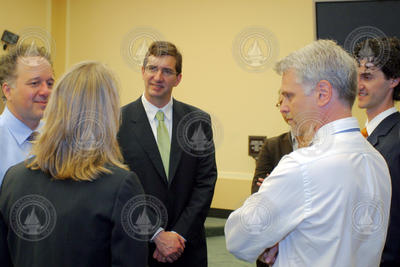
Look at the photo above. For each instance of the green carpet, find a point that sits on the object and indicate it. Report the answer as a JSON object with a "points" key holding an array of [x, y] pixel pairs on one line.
{"points": [[218, 256]]}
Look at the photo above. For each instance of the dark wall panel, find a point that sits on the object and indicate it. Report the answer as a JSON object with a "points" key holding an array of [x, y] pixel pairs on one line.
{"points": [[336, 20]]}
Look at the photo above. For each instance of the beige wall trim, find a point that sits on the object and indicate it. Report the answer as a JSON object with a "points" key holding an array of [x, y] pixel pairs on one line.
{"points": [[235, 175]]}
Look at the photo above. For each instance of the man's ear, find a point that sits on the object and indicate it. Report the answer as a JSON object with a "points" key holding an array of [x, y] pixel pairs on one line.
{"points": [[178, 79], [324, 92], [394, 82], [6, 88]]}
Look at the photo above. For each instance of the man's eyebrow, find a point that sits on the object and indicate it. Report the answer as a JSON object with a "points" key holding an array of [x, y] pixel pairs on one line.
{"points": [[38, 78], [33, 79]]}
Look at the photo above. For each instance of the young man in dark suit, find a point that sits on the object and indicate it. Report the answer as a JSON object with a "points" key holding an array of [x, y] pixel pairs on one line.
{"points": [[379, 77], [173, 155]]}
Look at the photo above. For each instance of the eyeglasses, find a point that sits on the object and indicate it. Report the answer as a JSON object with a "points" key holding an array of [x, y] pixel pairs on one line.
{"points": [[164, 71], [280, 100]]}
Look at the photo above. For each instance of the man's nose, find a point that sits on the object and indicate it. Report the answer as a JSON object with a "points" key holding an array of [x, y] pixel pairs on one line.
{"points": [[158, 75], [283, 107], [360, 83], [44, 89]]}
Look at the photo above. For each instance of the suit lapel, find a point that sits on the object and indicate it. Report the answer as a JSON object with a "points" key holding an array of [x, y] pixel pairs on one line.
{"points": [[383, 128], [176, 151], [144, 134]]}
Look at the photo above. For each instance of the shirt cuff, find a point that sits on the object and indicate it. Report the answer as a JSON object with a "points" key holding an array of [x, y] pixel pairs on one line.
{"points": [[160, 230], [156, 233]]}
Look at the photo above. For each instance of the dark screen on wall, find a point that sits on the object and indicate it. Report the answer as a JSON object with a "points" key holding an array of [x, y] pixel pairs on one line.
{"points": [[340, 20]]}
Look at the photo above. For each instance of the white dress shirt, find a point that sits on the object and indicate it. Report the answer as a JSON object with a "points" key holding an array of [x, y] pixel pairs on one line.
{"points": [[371, 125], [151, 112], [14, 146], [326, 204]]}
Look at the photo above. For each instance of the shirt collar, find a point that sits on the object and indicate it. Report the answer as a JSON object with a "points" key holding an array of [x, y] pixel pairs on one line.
{"points": [[371, 125], [335, 127], [295, 145], [16, 127], [151, 110]]}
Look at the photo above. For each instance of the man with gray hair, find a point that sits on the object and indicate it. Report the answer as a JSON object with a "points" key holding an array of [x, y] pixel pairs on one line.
{"points": [[26, 78], [326, 204]]}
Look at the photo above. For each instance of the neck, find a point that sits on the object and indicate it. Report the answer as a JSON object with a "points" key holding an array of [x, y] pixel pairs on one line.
{"points": [[373, 112], [342, 115], [160, 103], [32, 124], [336, 112]]}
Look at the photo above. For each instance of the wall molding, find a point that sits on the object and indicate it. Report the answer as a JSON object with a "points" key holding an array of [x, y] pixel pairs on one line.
{"points": [[235, 175]]}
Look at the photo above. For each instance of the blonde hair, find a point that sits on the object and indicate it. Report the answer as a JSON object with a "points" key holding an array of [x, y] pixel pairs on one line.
{"points": [[82, 119]]}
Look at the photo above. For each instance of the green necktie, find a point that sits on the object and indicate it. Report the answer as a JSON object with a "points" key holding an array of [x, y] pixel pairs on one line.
{"points": [[163, 142]]}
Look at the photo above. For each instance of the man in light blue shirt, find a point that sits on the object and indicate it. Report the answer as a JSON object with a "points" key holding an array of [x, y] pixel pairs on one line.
{"points": [[26, 78]]}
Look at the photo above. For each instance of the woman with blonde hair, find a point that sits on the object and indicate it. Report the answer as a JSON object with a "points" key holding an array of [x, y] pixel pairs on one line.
{"points": [[63, 207]]}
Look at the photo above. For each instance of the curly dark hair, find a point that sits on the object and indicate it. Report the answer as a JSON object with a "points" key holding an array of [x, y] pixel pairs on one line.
{"points": [[390, 64]]}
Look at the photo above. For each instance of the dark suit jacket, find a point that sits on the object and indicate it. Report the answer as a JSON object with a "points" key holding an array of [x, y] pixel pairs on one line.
{"points": [[271, 153], [187, 194], [87, 216], [386, 139]]}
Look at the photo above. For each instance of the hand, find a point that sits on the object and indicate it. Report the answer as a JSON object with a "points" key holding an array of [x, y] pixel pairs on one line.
{"points": [[269, 255], [261, 180], [170, 246], [157, 255]]}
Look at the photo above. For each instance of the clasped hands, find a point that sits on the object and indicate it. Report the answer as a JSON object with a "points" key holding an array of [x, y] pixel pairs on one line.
{"points": [[170, 246], [269, 255]]}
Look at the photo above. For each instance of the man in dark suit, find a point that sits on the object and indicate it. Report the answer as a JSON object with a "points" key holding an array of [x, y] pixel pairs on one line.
{"points": [[270, 155], [173, 155], [379, 76]]}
